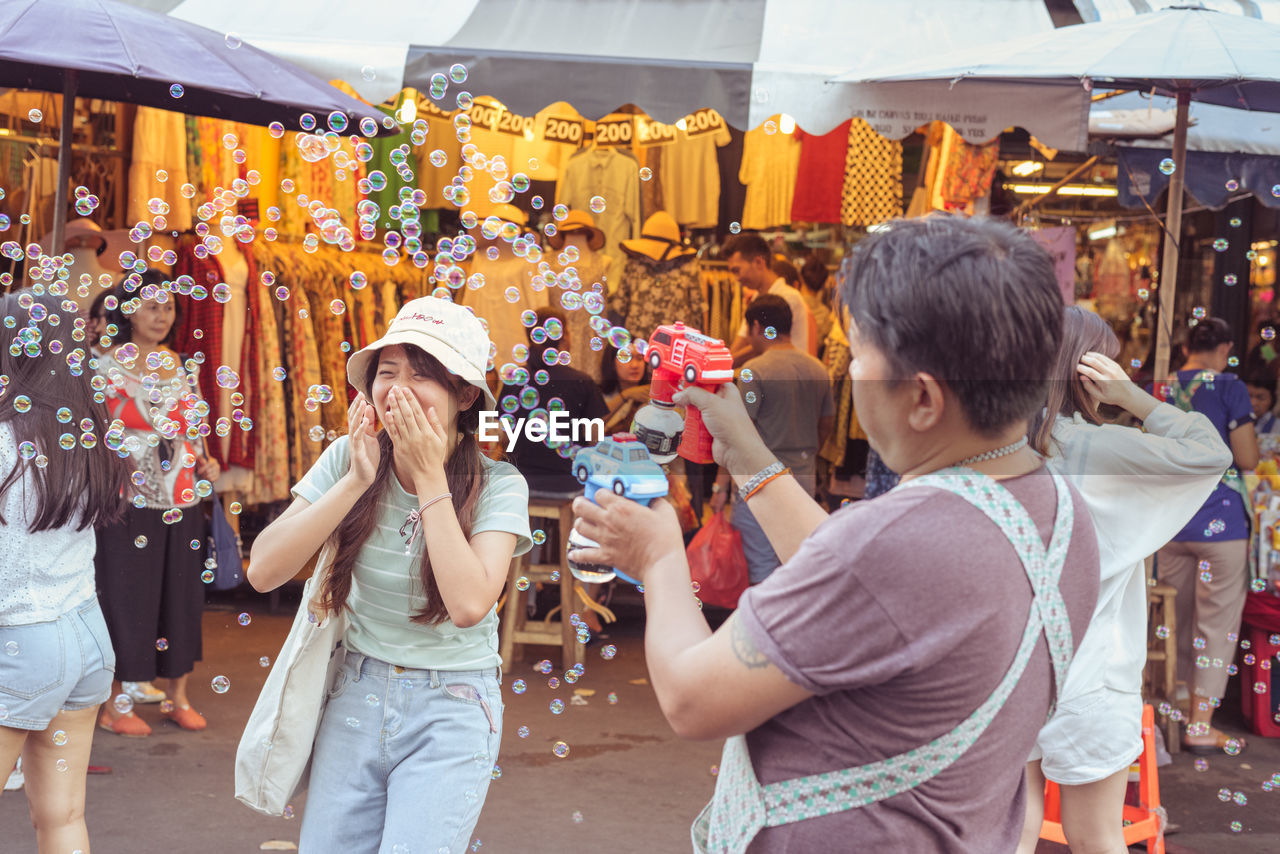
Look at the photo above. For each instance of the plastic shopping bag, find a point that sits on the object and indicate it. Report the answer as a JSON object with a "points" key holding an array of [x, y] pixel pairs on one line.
{"points": [[717, 563]]}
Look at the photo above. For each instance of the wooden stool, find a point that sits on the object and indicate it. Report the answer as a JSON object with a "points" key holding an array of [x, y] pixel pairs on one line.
{"points": [[1160, 678], [516, 629], [1144, 823]]}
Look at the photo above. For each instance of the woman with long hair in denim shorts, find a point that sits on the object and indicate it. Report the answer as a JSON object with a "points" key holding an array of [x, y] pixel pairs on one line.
{"points": [[425, 528], [58, 479]]}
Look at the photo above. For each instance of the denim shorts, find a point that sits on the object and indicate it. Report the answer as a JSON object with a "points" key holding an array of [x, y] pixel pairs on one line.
{"points": [[402, 760], [63, 665]]}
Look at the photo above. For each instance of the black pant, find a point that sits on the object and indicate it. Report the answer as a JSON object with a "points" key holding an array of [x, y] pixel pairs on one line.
{"points": [[153, 592]]}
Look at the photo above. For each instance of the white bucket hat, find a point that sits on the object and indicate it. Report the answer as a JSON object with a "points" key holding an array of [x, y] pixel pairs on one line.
{"points": [[449, 332]]}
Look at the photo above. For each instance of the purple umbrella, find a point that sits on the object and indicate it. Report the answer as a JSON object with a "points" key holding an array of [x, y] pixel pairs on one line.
{"points": [[113, 51]]}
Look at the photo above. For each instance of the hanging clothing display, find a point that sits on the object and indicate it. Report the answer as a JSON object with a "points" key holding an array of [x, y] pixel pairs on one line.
{"points": [[651, 293], [218, 167], [159, 145], [200, 328], [967, 171], [872, 178], [383, 146], [235, 328], [770, 160], [836, 357], [441, 138], [820, 175], [589, 270], [493, 302], [300, 348], [271, 475], [691, 172], [723, 297], [615, 177]]}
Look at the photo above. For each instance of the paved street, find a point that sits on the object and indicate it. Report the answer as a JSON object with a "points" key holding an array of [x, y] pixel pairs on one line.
{"points": [[627, 785]]}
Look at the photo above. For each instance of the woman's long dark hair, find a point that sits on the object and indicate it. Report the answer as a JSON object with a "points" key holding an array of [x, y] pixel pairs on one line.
{"points": [[464, 472], [1082, 332], [76, 480]]}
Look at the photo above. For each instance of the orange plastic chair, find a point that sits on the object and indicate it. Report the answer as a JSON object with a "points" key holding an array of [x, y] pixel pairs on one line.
{"points": [[1143, 823]]}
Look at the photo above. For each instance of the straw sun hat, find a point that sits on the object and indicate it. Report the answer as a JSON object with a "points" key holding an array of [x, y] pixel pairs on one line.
{"points": [[659, 240]]}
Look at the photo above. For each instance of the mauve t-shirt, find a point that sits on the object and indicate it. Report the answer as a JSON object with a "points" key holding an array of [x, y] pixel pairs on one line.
{"points": [[902, 615]]}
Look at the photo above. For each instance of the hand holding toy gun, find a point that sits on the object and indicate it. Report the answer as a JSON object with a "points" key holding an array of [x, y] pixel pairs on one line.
{"points": [[680, 357]]}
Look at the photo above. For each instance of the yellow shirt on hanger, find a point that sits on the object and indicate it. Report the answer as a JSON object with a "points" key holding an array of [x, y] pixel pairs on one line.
{"points": [[770, 163], [690, 171]]}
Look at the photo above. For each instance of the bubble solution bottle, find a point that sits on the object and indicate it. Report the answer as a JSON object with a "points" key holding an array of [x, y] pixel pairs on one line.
{"points": [[658, 425]]}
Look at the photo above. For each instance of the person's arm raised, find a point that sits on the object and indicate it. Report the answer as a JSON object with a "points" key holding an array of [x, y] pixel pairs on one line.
{"points": [[285, 546], [786, 512], [708, 685]]}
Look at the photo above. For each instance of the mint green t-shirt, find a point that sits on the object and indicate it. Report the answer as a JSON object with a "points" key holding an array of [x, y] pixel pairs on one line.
{"points": [[386, 589]]}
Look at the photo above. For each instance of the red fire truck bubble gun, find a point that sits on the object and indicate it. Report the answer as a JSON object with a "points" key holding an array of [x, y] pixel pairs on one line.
{"points": [[680, 357]]}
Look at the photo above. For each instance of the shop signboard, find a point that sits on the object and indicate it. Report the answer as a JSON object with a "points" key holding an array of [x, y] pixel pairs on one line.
{"points": [[615, 132]]}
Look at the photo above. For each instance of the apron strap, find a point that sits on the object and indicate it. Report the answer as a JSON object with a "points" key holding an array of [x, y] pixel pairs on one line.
{"points": [[821, 794]]}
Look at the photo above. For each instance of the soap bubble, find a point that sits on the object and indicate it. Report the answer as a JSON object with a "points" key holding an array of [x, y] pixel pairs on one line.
{"points": [[458, 73], [123, 704], [227, 378], [337, 121], [162, 644], [140, 541], [220, 684], [1233, 185], [233, 41], [60, 738], [646, 173], [1220, 245], [597, 204], [1167, 166], [35, 116], [518, 686], [244, 619], [176, 90], [608, 651], [557, 706], [560, 749]]}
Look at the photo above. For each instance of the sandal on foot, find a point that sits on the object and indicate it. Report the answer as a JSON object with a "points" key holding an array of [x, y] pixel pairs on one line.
{"points": [[129, 725], [186, 717], [1219, 745]]}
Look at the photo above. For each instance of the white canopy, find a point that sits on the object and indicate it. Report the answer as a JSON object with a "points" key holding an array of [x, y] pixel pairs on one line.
{"points": [[748, 59]]}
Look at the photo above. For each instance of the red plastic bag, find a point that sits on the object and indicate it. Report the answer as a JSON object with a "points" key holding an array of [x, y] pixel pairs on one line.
{"points": [[717, 563]]}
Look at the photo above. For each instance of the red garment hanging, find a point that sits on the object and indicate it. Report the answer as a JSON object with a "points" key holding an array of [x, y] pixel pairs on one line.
{"points": [[205, 317], [820, 179]]}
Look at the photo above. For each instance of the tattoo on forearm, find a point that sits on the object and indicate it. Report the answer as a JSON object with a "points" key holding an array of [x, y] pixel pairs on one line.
{"points": [[744, 648]]}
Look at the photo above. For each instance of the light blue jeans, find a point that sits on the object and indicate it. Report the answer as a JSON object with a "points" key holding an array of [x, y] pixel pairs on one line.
{"points": [[402, 760], [762, 560]]}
